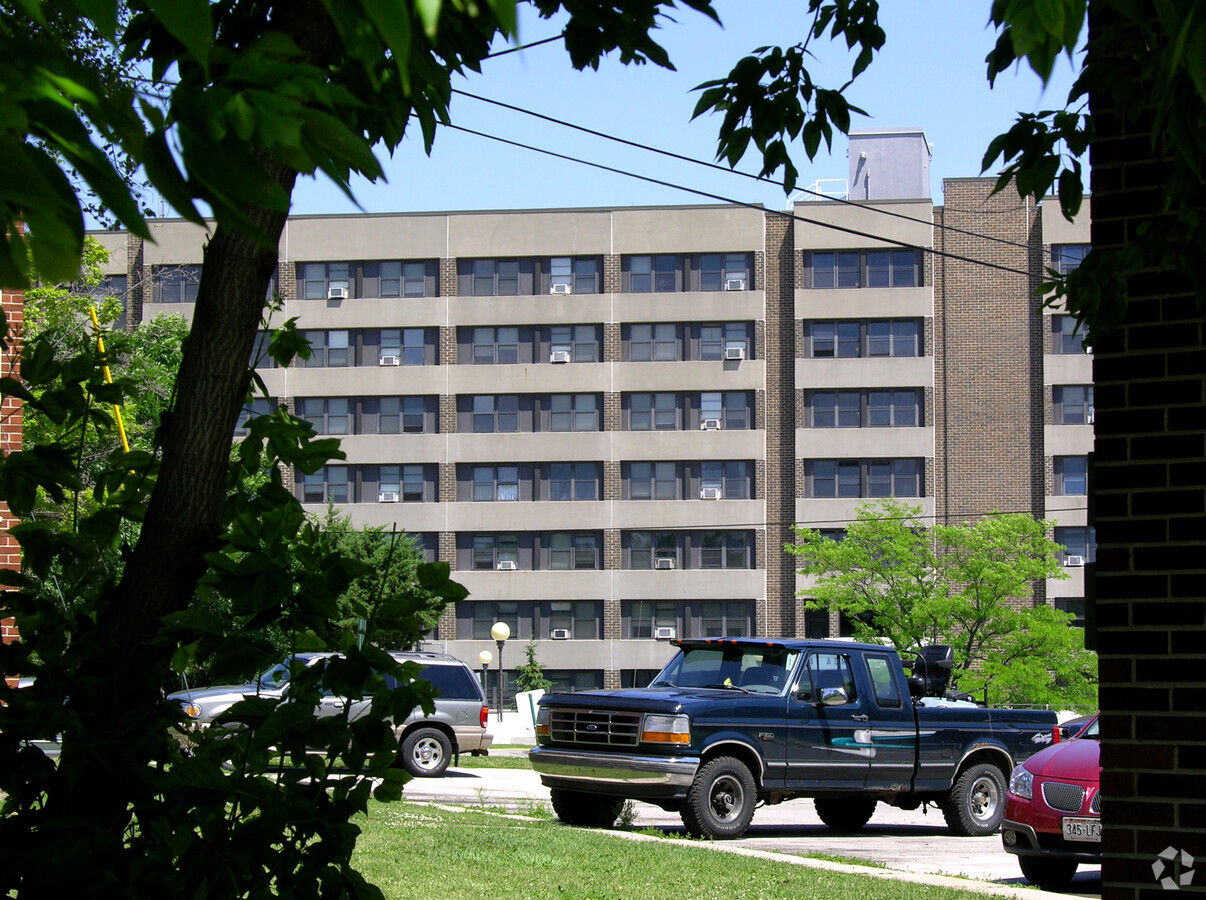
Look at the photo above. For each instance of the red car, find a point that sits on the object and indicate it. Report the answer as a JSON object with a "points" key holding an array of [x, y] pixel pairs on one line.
{"points": [[1053, 809]]}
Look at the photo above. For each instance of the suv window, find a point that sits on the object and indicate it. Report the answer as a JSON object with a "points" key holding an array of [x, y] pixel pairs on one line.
{"points": [[453, 682]]}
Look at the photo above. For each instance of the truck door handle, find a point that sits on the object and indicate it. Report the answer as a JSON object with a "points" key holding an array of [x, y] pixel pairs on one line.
{"points": [[859, 718]]}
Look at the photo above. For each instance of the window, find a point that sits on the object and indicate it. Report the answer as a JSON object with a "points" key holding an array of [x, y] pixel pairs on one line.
{"points": [[495, 414], [730, 407], [259, 358], [491, 549], [474, 618], [725, 550], [1075, 606], [863, 478], [1077, 541], [862, 268], [495, 483], [574, 412], [328, 349], [717, 341], [580, 619], [573, 551], [414, 346], [837, 535], [653, 412], [1072, 404], [329, 484], [403, 279], [495, 345], [724, 271], [730, 479], [328, 415], [1068, 335], [579, 275], [495, 277], [655, 342], [653, 274], [407, 481], [852, 338], [642, 618], [253, 408], [652, 481], [573, 481], [646, 548], [411, 410], [864, 409], [579, 341], [318, 279], [883, 681], [720, 618], [828, 670], [176, 284], [1066, 258], [1071, 475]]}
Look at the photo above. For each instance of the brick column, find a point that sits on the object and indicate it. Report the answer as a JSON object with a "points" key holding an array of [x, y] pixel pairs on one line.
{"points": [[11, 422]]}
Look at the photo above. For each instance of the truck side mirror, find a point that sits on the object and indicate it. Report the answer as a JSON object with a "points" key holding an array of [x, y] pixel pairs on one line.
{"points": [[834, 696]]}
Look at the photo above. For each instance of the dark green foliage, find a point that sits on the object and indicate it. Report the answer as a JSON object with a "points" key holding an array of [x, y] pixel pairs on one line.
{"points": [[530, 676]]}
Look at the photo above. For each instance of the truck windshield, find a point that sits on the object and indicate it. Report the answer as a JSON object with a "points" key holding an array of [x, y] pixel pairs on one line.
{"points": [[757, 670], [276, 677]]}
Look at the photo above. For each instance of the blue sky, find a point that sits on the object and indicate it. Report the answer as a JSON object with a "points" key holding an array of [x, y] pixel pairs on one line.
{"points": [[929, 74]]}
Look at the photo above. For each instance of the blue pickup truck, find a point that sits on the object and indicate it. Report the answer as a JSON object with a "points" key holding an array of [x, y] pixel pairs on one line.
{"points": [[731, 723]]}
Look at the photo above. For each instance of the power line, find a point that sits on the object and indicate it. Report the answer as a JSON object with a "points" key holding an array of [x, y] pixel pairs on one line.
{"points": [[710, 165], [756, 206]]}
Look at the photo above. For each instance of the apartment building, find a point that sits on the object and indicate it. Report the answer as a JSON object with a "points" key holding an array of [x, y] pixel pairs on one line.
{"points": [[607, 420]]}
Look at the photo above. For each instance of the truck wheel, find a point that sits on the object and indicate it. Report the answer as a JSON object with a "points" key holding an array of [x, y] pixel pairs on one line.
{"points": [[1053, 873], [720, 802], [590, 810], [976, 802], [845, 815], [425, 753]]}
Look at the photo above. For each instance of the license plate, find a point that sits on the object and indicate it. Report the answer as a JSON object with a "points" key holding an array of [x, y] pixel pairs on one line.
{"points": [[1082, 829]]}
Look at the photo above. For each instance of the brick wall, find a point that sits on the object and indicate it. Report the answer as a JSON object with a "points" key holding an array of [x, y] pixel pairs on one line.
{"points": [[11, 418], [1148, 496]]}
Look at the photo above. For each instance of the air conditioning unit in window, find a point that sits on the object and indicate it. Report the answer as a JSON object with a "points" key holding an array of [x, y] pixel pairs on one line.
{"points": [[710, 425], [709, 493], [389, 359], [387, 497], [734, 284], [664, 562], [506, 565], [559, 634], [1074, 561], [337, 293], [734, 353], [559, 356], [664, 633], [1089, 416], [561, 289]]}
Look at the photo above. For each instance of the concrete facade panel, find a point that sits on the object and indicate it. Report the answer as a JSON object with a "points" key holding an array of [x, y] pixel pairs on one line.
{"points": [[548, 233], [536, 309], [845, 443], [690, 306], [834, 512], [369, 312], [865, 373], [654, 514], [812, 219], [354, 381], [687, 444], [174, 242], [703, 229], [1068, 440], [689, 584], [541, 378], [865, 303], [1067, 368], [353, 237], [1058, 230], [694, 375]]}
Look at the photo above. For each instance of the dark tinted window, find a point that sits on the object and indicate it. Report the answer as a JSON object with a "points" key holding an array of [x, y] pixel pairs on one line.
{"points": [[453, 682]]}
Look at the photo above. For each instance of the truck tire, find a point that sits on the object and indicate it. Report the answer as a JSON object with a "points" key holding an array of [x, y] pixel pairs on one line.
{"points": [[1047, 873], [849, 814], [976, 802], [426, 752], [720, 802], [589, 810]]}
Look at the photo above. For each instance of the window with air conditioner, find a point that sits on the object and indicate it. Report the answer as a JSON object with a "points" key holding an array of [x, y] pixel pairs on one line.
{"points": [[559, 634], [561, 289], [387, 497], [709, 493], [664, 633], [734, 353], [734, 284], [664, 562], [507, 565], [559, 356], [710, 424], [337, 292], [1072, 561], [389, 359]]}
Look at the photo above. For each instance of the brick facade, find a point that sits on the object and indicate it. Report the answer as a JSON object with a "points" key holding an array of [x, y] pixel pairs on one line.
{"points": [[1149, 500], [11, 419]]}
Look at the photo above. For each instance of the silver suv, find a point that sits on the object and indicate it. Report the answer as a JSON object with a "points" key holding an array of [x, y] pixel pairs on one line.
{"points": [[458, 724]]}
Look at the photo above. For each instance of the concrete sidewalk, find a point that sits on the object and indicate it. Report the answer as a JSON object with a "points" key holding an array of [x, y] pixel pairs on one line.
{"points": [[513, 729]]}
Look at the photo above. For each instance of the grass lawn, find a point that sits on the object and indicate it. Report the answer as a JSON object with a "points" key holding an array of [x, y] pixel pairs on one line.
{"points": [[494, 762], [410, 850]]}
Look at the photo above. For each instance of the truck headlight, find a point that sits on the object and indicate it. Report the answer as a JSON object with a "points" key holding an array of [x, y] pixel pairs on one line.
{"points": [[543, 717], [1021, 783], [658, 729]]}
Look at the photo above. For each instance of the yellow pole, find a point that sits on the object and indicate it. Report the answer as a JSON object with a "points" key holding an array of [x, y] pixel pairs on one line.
{"points": [[100, 346]]}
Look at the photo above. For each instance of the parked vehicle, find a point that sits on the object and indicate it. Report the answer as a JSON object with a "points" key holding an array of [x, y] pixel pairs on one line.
{"points": [[731, 723], [428, 743], [1053, 810]]}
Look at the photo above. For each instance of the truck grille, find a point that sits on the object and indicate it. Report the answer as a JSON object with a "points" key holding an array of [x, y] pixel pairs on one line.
{"points": [[1064, 797], [588, 726]]}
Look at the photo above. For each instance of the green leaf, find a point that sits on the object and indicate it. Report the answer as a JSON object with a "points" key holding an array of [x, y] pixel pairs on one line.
{"points": [[429, 14], [189, 22]]}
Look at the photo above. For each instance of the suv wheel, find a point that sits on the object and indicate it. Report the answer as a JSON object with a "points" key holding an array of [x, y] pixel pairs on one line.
{"points": [[426, 752]]}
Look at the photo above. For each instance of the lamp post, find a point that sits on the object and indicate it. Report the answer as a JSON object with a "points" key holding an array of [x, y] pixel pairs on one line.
{"points": [[484, 658], [500, 632]]}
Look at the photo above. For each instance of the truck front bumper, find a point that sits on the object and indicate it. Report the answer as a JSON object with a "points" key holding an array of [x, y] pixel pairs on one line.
{"points": [[628, 775]]}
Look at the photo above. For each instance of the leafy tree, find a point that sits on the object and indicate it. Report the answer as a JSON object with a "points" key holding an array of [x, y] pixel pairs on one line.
{"points": [[963, 585], [530, 676], [233, 102]]}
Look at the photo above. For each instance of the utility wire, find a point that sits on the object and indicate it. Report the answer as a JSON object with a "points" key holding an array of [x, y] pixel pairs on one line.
{"points": [[547, 40], [759, 178], [729, 200]]}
